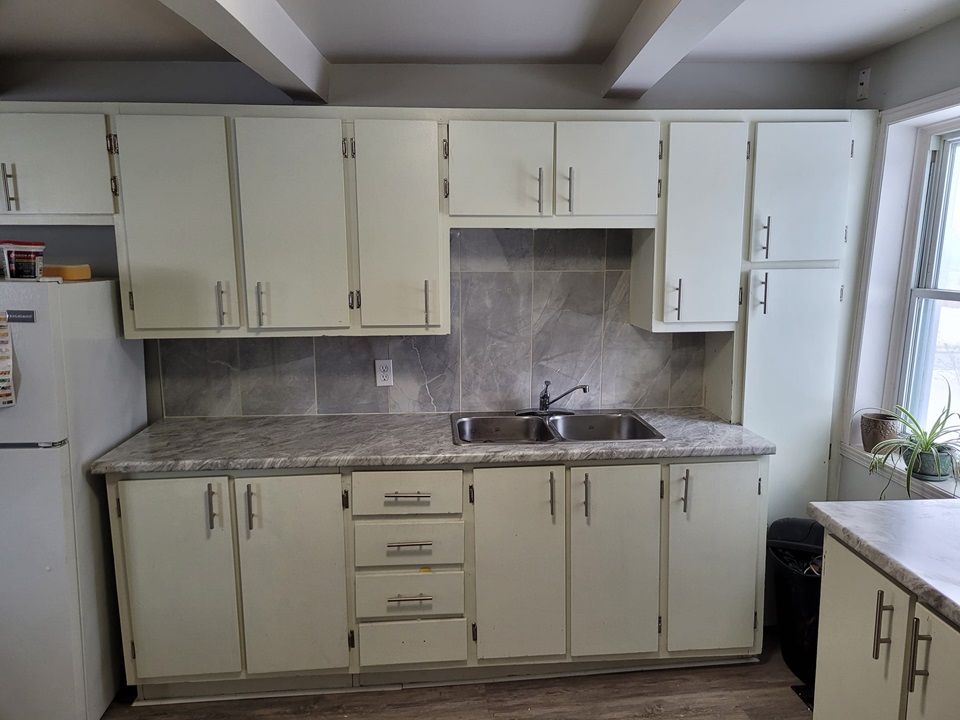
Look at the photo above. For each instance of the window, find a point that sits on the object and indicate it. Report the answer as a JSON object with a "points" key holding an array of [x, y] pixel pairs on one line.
{"points": [[932, 353]]}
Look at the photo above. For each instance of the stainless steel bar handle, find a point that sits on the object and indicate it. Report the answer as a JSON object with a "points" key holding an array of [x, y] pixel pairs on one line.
{"points": [[220, 313], [679, 296], [686, 488], [915, 639], [586, 495], [250, 508], [553, 496], [766, 247], [210, 513], [766, 286], [540, 191], [411, 598], [407, 496], [877, 622], [426, 302], [260, 304], [7, 197], [570, 190], [398, 545]]}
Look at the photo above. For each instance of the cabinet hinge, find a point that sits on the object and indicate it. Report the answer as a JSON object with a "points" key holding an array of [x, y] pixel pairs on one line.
{"points": [[446, 188], [830, 451], [133, 650], [661, 151], [659, 187], [353, 147], [841, 292], [351, 640], [130, 298], [358, 299], [759, 485], [350, 299], [661, 489], [473, 629], [748, 149], [446, 149], [471, 494], [740, 300], [343, 147], [113, 147], [659, 624], [851, 147], [846, 229], [754, 620], [114, 186], [345, 499], [118, 507]]}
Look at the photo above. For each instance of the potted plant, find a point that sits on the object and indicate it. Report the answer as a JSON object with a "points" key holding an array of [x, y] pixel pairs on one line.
{"points": [[930, 454]]}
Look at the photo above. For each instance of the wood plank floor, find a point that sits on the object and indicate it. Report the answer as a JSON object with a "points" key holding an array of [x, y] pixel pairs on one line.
{"points": [[744, 692]]}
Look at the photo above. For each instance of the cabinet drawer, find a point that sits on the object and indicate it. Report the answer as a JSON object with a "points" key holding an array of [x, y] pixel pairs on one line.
{"points": [[413, 641], [408, 492], [409, 543], [393, 595]]}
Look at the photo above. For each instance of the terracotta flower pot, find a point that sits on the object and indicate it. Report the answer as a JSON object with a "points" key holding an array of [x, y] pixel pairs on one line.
{"points": [[876, 427]]}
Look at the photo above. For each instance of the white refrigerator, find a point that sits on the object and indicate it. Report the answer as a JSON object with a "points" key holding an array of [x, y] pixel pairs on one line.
{"points": [[80, 391]]}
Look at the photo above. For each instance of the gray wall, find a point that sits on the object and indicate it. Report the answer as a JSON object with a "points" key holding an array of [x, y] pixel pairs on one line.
{"points": [[526, 306]]}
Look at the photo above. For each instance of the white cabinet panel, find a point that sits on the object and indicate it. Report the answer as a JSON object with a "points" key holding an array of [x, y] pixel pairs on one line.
{"points": [[712, 566], [789, 377], [293, 221], [501, 168], [858, 678], [418, 544], [614, 559], [607, 168], [937, 694], [800, 190], [55, 163], [398, 220], [178, 543], [520, 562], [409, 594], [178, 221], [292, 572], [408, 492], [413, 641], [706, 190]]}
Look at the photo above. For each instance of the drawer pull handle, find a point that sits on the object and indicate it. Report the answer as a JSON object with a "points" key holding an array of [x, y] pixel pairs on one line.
{"points": [[686, 488], [914, 651], [398, 545], [412, 598], [5, 176], [877, 621], [766, 247], [553, 497], [249, 507], [407, 496], [586, 495], [210, 513]]}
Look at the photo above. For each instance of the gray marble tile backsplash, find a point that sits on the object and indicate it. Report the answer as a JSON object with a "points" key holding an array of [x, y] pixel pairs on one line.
{"points": [[526, 306]]}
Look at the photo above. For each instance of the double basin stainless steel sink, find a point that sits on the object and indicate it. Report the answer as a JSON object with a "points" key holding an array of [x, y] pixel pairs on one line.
{"points": [[588, 426]]}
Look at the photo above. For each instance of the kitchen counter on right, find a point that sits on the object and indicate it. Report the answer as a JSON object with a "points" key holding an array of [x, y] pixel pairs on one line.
{"points": [[914, 542]]}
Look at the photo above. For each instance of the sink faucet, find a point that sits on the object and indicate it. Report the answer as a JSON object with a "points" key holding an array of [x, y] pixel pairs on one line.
{"points": [[546, 402]]}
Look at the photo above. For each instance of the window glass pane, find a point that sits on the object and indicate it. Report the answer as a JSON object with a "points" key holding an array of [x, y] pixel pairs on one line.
{"points": [[947, 275], [935, 361]]}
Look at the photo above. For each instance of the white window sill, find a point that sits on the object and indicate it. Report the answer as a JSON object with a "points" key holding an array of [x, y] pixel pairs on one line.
{"points": [[919, 489]]}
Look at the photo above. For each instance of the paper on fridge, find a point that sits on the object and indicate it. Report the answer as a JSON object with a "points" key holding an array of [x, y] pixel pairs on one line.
{"points": [[8, 396]]}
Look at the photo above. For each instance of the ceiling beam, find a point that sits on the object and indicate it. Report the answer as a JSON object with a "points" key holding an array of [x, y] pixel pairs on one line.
{"points": [[260, 34], [660, 34]]}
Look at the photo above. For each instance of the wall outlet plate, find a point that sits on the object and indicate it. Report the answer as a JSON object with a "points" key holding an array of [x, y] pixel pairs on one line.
{"points": [[384, 370]]}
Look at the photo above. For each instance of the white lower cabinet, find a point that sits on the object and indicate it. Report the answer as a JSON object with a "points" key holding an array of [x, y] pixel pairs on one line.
{"points": [[713, 548], [933, 692], [408, 643], [520, 561], [614, 559], [292, 573]]}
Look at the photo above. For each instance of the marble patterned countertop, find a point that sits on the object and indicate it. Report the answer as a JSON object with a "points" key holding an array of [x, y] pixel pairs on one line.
{"points": [[915, 542], [370, 440]]}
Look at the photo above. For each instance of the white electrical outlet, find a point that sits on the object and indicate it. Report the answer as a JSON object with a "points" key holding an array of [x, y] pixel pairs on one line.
{"points": [[384, 370], [863, 84]]}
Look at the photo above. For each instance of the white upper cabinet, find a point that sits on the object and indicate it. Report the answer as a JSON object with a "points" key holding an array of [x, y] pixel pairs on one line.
{"points": [[706, 190], [800, 191], [607, 168], [403, 277], [54, 164], [501, 168], [293, 222], [178, 221]]}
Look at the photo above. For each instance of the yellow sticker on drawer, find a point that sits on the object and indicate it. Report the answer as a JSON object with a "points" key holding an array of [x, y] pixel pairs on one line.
{"points": [[425, 570]]}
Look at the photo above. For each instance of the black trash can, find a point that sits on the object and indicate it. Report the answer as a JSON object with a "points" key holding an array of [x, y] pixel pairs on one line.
{"points": [[795, 552]]}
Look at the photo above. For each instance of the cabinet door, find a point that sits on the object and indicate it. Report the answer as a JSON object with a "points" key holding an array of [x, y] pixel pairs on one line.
{"points": [[859, 678], [706, 190], [178, 546], [800, 191], [293, 222], [398, 218], [55, 164], [614, 559], [292, 572], [712, 565], [521, 562], [934, 695], [607, 168], [501, 168], [791, 359], [178, 221]]}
